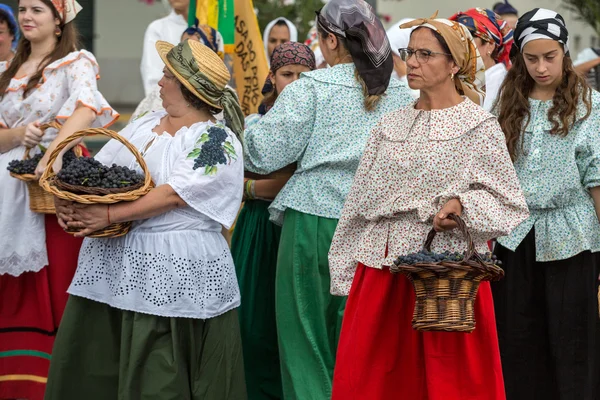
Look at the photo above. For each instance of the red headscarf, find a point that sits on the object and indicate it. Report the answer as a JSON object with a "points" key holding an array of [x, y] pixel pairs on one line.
{"points": [[489, 27]]}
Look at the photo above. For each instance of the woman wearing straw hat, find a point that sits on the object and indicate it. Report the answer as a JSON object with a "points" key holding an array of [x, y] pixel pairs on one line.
{"points": [[153, 314], [322, 122], [48, 80], [443, 154]]}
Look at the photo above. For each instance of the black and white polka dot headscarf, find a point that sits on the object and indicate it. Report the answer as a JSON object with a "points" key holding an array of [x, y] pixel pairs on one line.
{"points": [[541, 23]]}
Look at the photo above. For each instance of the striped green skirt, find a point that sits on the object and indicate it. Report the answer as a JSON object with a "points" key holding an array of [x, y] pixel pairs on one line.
{"points": [[103, 353]]}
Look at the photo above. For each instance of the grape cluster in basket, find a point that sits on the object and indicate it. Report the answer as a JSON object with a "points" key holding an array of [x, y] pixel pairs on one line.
{"points": [[88, 172], [28, 166], [429, 257]]}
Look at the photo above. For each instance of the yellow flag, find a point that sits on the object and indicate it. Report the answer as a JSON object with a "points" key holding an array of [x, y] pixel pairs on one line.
{"points": [[250, 68], [207, 13]]}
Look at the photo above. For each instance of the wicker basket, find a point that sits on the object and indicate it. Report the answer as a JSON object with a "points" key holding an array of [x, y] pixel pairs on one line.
{"points": [[445, 291], [39, 200], [86, 195]]}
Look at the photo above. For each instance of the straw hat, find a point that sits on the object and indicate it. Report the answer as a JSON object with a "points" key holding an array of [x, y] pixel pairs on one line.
{"points": [[207, 61]]}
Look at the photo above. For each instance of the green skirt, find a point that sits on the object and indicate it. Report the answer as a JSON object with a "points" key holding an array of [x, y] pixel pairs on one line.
{"points": [[309, 318], [103, 353], [254, 250]]}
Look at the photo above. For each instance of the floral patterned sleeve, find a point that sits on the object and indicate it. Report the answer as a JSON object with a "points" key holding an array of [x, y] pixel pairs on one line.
{"points": [[588, 156], [209, 174], [491, 196], [81, 77], [342, 264], [281, 135]]}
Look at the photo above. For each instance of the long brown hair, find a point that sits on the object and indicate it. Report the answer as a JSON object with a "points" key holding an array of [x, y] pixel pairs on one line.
{"points": [[513, 103], [67, 42], [371, 101]]}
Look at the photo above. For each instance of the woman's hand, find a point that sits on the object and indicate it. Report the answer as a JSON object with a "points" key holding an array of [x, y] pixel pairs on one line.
{"points": [[441, 222], [43, 164], [88, 218], [64, 211], [32, 135]]}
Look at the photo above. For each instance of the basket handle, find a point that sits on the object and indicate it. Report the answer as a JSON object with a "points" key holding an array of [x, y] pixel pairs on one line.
{"points": [[43, 128], [462, 227], [49, 171]]}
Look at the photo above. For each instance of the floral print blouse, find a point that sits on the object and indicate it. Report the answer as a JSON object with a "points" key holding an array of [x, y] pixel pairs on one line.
{"points": [[320, 122], [414, 163], [66, 84], [556, 174]]}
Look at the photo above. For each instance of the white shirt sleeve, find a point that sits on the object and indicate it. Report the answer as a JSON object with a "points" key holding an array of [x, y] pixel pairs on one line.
{"points": [[152, 65]]}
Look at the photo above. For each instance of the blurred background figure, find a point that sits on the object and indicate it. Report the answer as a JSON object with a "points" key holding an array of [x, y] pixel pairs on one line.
{"points": [[167, 29], [278, 32], [9, 33], [399, 39], [507, 12], [588, 64]]}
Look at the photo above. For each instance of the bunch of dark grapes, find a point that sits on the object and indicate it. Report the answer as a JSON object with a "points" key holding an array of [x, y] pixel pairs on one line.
{"points": [[21, 167], [211, 152], [429, 257], [88, 172]]}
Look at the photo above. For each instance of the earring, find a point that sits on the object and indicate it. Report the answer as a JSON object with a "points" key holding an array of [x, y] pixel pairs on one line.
{"points": [[489, 53], [451, 76], [58, 31]]}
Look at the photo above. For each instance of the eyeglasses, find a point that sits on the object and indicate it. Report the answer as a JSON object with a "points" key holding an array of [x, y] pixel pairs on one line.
{"points": [[421, 54]]}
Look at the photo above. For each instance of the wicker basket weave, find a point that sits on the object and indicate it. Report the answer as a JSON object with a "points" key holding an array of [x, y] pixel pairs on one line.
{"points": [[39, 200], [445, 291], [86, 195]]}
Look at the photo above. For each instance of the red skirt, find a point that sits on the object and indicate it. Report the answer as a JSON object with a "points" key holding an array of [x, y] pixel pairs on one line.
{"points": [[380, 355], [31, 307]]}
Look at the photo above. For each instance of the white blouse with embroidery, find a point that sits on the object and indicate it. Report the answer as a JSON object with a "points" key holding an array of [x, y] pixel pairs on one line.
{"points": [[66, 84], [176, 264], [414, 162]]}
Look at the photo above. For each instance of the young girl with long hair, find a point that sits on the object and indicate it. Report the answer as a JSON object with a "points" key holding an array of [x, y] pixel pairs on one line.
{"points": [[48, 80], [546, 306]]}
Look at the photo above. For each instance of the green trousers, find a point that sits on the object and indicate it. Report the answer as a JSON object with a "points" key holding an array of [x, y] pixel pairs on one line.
{"points": [[254, 249], [103, 353], [309, 318]]}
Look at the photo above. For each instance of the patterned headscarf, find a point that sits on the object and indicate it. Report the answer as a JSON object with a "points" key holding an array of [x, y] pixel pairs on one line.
{"points": [[67, 9], [471, 74], [541, 23], [12, 22], [489, 27], [292, 53], [355, 21]]}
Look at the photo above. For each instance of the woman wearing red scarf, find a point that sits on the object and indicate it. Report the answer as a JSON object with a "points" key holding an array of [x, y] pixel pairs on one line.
{"points": [[494, 38]]}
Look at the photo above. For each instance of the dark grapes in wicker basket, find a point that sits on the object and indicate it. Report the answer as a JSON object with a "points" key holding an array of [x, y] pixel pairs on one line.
{"points": [[28, 166], [87, 172], [425, 256]]}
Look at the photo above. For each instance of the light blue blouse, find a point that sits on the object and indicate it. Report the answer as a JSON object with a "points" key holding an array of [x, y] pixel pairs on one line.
{"points": [[320, 122], [556, 174]]}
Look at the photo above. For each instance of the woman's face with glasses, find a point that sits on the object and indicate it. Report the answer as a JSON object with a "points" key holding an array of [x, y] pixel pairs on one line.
{"points": [[428, 65]]}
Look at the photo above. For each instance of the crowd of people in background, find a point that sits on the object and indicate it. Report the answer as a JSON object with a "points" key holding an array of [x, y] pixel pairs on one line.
{"points": [[258, 266]]}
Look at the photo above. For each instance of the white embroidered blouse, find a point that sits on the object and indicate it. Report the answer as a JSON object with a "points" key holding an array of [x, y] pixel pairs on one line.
{"points": [[176, 264], [66, 84], [414, 162]]}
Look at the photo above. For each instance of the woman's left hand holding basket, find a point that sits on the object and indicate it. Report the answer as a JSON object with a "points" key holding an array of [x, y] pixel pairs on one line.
{"points": [[441, 222]]}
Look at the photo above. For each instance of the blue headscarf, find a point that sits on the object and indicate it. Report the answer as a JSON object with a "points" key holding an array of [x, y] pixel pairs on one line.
{"points": [[12, 21]]}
